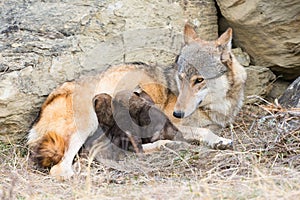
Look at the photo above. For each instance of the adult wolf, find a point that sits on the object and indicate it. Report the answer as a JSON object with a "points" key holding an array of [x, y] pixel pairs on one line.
{"points": [[193, 101]]}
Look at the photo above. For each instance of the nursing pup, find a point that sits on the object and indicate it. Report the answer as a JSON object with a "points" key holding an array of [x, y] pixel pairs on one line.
{"points": [[130, 121]]}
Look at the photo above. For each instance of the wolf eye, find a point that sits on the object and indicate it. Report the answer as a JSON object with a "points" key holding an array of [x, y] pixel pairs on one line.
{"points": [[198, 80]]}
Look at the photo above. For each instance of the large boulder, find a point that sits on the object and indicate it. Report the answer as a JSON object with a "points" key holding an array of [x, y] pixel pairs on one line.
{"points": [[45, 43], [268, 31], [291, 96]]}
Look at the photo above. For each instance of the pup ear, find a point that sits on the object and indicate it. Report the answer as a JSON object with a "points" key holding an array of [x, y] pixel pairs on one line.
{"points": [[224, 41], [101, 101], [190, 34], [95, 101]]}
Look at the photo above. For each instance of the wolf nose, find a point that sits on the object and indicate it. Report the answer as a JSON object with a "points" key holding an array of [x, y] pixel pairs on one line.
{"points": [[178, 114]]}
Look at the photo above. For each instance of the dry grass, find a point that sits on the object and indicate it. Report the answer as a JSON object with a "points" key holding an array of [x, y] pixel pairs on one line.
{"points": [[265, 164]]}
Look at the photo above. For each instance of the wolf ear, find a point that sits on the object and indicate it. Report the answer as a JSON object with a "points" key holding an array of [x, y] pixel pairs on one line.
{"points": [[190, 34], [224, 41]]}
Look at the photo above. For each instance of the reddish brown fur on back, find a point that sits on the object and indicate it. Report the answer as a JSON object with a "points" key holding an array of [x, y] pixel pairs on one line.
{"points": [[49, 150], [66, 89]]}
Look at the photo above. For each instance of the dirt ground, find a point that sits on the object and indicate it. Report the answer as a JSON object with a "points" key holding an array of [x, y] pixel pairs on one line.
{"points": [[265, 164]]}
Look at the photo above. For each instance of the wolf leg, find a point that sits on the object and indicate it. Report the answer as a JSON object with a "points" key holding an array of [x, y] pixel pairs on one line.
{"points": [[157, 145], [206, 136], [63, 170]]}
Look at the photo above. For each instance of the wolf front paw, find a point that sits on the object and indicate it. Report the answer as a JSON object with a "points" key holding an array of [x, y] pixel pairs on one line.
{"points": [[61, 173], [222, 144]]}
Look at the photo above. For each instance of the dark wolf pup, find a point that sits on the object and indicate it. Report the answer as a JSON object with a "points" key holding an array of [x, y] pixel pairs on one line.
{"points": [[141, 121]]}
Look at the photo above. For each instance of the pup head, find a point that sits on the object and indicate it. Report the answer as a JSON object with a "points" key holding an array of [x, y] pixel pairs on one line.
{"points": [[113, 133], [198, 63], [103, 109], [146, 120]]}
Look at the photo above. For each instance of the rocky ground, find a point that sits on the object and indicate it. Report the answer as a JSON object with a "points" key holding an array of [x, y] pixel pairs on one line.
{"points": [[264, 164]]}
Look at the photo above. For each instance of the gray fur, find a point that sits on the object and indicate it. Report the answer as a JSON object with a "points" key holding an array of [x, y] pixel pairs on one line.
{"points": [[206, 61]]}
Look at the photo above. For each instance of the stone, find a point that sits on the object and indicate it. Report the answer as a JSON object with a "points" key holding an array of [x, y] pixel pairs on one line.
{"points": [[158, 50], [268, 31], [291, 96], [241, 56], [258, 83], [202, 14], [278, 88], [45, 43]]}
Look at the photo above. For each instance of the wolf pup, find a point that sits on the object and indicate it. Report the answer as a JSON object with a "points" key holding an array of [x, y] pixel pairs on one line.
{"points": [[141, 121], [205, 95]]}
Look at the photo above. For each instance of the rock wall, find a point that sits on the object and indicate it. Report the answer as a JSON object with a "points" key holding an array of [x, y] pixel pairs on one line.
{"points": [[45, 43], [291, 96]]}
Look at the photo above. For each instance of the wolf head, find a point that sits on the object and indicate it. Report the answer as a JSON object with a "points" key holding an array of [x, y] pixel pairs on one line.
{"points": [[199, 63]]}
